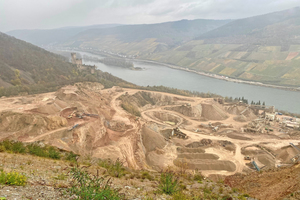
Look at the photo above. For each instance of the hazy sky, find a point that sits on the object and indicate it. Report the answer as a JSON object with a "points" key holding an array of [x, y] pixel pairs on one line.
{"points": [[41, 14]]}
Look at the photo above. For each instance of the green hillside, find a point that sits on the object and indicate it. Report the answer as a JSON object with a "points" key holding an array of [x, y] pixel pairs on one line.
{"points": [[143, 38], [36, 65], [263, 48], [25, 68]]}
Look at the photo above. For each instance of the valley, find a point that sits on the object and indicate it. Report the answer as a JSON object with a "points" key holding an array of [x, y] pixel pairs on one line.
{"points": [[91, 121]]}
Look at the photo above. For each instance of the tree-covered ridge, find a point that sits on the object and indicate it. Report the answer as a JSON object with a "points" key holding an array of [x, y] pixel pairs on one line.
{"points": [[25, 68], [33, 64]]}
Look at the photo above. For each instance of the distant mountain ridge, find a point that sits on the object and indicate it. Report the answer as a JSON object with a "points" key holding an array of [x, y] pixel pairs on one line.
{"points": [[126, 39], [45, 37], [263, 48]]}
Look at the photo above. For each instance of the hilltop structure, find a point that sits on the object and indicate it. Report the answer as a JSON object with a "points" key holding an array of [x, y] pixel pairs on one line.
{"points": [[80, 66]]}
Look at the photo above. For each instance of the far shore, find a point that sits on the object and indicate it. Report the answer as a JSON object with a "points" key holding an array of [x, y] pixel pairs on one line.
{"points": [[216, 76], [220, 77]]}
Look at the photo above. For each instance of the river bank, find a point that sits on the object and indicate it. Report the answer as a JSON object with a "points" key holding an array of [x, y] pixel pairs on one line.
{"points": [[216, 76]]}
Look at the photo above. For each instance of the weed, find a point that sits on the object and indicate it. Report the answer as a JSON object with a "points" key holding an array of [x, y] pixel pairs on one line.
{"points": [[235, 190], [198, 177], [206, 189], [61, 176], [12, 178], [32, 149], [53, 153], [86, 186], [146, 175], [71, 157], [2, 148], [221, 189], [168, 183], [115, 169], [181, 196]]}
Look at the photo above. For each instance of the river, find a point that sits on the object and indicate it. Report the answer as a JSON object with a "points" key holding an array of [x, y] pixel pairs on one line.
{"points": [[155, 74]]}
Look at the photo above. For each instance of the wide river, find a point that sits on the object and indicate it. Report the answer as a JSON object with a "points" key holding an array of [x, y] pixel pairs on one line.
{"points": [[161, 75]]}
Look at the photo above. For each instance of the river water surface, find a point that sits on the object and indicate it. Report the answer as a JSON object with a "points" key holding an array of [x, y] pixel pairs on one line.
{"points": [[155, 74]]}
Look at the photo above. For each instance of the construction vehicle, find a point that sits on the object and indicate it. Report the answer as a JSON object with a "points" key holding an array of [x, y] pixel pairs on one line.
{"points": [[72, 114], [176, 132], [247, 158]]}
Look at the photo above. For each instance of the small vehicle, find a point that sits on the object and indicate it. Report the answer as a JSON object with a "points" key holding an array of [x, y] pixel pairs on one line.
{"points": [[247, 158]]}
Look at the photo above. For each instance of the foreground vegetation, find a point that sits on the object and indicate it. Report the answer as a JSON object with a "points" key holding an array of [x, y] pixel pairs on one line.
{"points": [[36, 150], [103, 179]]}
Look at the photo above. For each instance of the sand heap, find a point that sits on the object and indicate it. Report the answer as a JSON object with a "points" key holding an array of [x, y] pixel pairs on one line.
{"points": [[213, 111]]}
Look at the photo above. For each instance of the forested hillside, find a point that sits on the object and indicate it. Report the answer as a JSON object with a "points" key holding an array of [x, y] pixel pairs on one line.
{"points": [[27, 68]]}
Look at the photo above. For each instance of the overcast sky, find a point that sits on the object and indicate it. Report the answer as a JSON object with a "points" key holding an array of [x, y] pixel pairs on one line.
{"points": [[42, 14]]}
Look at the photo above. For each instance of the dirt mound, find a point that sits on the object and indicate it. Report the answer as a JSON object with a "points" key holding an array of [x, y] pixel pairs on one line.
{"points": [[227, 145], [152, 139], [156, 161], [235, 110], [240, 118], [203, 142], [199, 156], [194, 145], [213, 112], [51, 108], [269, 185], [266, 160], [285, 154], [167, 117], [187, 110], [93, 86], [67, 93], [190, 150], [251, 151], [238, 137], [207, 164]]}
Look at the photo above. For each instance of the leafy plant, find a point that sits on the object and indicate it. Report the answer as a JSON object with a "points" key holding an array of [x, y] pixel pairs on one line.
{"points": [[146, 175], [168, 183], [53, 153], [115, 169], [71, 157], [33, 149], [12, 178], [86, 186]]}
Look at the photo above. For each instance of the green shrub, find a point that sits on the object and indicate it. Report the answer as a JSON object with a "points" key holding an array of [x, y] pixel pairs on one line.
{"points": [[12, 178], [86, 186], [71, 157], [18, 147], [2, 148], [198, 177], [168, 183], [115, 169], [181, 196], [146, 175], [53, 153], [35, 149]]}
